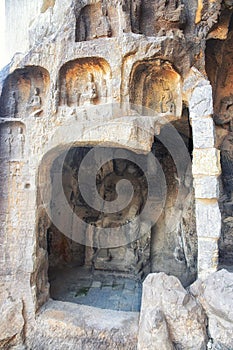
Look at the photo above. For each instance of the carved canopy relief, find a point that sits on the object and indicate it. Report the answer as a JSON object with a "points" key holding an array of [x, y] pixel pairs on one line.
{"points": [[156, 85]]}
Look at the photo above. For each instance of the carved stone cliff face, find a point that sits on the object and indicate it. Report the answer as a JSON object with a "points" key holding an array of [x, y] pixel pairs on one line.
{"points": [[135, 78], [219, 69]]}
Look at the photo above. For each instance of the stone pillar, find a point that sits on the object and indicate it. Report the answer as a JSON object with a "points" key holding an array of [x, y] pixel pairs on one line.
{"points": [[206, 169]]}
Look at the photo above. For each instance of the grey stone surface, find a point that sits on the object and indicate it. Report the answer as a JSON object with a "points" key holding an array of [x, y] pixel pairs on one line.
{"points": [[207, 255], [153, 331], [203, 132], [201, 102], [185, 318], [206, 187], [12, 322], [83, 328], [102, 290], [215, 294], [208, 219]]}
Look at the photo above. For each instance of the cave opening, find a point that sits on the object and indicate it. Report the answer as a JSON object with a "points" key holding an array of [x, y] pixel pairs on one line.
{"points": [[105, 277], [92, 255]]}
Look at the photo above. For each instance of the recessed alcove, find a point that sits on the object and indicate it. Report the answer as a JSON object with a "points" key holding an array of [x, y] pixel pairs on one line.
{"points": [[161, 15], [83, 269], [24, 92], [84, 81], [12, 140], [155, 84], [96, 20], [112, 275]]}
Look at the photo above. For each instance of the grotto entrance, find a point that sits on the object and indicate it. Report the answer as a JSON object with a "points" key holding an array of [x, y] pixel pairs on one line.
{"points": [[108, 276], [82, 264]]}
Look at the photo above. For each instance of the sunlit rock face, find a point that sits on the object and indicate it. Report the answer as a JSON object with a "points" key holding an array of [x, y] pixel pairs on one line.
{"points": [[147, 83]]}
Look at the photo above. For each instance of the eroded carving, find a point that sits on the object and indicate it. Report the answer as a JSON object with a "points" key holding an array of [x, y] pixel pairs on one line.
{"points": [[63, 92], [9, 141], [206, 16], [136, 15], [90, 92], [12, 140], [161, 14], [104, 25], [225, 115], [34, 104], [23, 92], [84, 81], [21, 141], [155, 85], [112, 18], [35, 101], [167, 102], [94, 21], [12, 105]]}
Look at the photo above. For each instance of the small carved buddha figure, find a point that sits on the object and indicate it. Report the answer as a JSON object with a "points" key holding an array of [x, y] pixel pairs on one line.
{"points": [[63, 93], [103, 28], [35, 101], [21, 141], [91, 87], [90, 93], [9, 141], [135, 15], [167, 104]]}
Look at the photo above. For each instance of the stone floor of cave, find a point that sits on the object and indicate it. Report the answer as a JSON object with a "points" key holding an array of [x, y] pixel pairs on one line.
{"points": [[104, 290]]}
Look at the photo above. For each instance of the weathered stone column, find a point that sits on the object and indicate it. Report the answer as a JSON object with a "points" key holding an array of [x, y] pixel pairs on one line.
{"points": [[206, 169]]}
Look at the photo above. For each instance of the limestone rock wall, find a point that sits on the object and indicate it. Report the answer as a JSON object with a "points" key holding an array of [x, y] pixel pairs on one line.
{"points": [[218, 68], [84, 67]]}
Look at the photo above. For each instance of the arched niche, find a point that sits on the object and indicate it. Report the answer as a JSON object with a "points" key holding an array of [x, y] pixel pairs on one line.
{"points": [[219, 68], [96, 20], [84, 81], [59, 251], [24, 92], [12, 140], [156, 85], [160, 16]]}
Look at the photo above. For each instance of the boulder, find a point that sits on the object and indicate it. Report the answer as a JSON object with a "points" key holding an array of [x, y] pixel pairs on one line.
{"points": [[10, 329], [215, 294], [153, 331], [170, 317]]}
